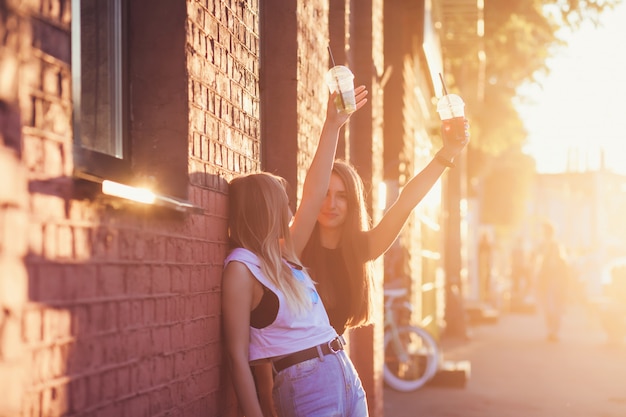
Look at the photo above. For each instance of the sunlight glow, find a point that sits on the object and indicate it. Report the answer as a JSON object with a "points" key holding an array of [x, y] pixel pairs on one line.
{"points": [[140, 195], [576, 122]]}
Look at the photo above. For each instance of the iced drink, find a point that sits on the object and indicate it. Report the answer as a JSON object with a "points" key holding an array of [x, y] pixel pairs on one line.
{"points": [[341, 79], [451, 109]]}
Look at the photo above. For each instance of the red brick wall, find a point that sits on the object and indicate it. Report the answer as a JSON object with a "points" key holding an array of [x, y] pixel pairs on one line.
{"points": [[110, 308], [295, 58], [365, 150]]}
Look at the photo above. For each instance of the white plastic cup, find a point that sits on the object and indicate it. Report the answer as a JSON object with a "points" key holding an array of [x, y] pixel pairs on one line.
{"points": [[451, 109], [341, 79], [450, 106]]}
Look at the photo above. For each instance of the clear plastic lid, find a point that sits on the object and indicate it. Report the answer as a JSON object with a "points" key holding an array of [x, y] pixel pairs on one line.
{"points": [[450, 106]]}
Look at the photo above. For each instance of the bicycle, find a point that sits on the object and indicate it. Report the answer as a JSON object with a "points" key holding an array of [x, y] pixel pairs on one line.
{"points": [[412, 355]]}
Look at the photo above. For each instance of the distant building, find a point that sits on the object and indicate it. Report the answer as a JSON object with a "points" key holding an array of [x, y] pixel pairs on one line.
{"points": [[587, 209]]}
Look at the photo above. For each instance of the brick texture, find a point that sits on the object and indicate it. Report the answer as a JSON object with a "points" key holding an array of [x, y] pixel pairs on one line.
{"points": [[110, 308]]}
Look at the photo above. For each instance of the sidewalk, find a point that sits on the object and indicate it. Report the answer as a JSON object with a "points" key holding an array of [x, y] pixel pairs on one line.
{"points": [[516, 372]]}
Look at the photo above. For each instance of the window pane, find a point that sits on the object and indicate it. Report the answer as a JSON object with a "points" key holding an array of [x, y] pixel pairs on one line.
{"points": [[98, 106]]}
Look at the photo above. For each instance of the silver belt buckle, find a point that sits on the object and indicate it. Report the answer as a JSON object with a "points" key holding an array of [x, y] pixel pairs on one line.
{"points": [[330, 344]]}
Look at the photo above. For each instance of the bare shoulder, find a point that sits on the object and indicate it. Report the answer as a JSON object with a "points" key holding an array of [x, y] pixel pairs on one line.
{"points": [[237, 275]]}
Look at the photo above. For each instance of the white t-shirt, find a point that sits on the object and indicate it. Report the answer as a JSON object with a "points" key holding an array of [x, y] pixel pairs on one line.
{"points": [[288, 333]]}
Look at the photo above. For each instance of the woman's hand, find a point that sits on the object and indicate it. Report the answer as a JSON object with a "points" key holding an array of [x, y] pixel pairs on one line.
{"points": [[456, 135], [339, 118]]}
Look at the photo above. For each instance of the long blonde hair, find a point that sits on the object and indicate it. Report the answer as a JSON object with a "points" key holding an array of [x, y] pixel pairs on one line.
{"points": [[258, 220]]}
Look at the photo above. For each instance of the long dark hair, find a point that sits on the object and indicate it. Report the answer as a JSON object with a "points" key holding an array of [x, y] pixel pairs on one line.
{"points": [[353, 247]]}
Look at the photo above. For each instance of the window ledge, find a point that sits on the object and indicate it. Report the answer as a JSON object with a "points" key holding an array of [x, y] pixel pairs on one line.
{"points": [[140, 195]]}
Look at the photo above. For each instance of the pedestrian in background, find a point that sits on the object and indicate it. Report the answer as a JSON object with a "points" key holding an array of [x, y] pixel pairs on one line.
{"points": [[551, 279], [519, 272]]}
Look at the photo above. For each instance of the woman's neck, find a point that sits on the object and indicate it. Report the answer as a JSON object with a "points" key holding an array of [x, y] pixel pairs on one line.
{"points": [[330, 237]]}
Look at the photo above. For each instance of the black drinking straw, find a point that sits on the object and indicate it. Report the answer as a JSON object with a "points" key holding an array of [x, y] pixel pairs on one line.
{"points": [[331, 55], [445, 92], [443, 84]]}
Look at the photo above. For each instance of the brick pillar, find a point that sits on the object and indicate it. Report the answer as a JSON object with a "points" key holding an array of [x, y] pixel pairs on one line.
{"points": [[338, 32], [279, 90], [294, 58], [366, 150]]}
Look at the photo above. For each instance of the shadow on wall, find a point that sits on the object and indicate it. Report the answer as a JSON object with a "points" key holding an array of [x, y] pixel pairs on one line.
{"points": [[10, 128], [126, 320], [13, 281]]}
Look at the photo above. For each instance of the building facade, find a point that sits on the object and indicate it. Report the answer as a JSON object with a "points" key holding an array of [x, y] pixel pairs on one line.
{"points": [[110, 296]]}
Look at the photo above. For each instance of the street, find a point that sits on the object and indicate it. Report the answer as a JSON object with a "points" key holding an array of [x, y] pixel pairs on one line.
{"points": [[516, 372]]}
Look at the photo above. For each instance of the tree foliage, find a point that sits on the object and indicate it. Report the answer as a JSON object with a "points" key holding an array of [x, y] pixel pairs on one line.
{"points": [[520, 36]]}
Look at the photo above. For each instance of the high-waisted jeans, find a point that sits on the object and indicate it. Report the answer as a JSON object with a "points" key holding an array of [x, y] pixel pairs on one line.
{"points": [[327, 386]]}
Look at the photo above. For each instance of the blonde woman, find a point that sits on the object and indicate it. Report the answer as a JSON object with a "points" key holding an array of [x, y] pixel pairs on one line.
{"points": [[272, 313]]}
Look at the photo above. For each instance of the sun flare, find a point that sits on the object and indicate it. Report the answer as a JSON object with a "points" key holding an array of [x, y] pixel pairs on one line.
{"points": [[577, 121]]}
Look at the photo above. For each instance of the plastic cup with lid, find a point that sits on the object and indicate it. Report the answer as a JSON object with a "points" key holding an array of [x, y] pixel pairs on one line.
{"points": [[340, 79]]}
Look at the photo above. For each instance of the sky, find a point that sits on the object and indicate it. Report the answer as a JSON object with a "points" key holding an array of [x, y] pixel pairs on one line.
{"points": [[581, 107]]}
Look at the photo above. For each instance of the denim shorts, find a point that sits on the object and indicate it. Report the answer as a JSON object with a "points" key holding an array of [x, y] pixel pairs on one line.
{"points": [[327, 386]]}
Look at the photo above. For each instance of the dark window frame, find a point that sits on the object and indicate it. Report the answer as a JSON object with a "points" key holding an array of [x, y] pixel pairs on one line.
{"points": [[152, 153], [87, 160]]}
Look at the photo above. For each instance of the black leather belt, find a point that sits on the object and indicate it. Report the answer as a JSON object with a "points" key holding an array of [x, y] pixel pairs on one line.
{"points": [[333, 346]]}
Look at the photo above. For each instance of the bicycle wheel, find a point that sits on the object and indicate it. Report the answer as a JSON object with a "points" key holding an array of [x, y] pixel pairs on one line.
{"points": [[412, 360]]}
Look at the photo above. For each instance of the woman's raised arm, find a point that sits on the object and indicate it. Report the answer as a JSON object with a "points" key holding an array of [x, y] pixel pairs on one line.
{"points": [[386, 231], [318, 176]]}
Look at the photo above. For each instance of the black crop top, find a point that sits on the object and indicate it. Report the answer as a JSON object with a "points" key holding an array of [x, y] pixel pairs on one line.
{"points": [[266, 311]]}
